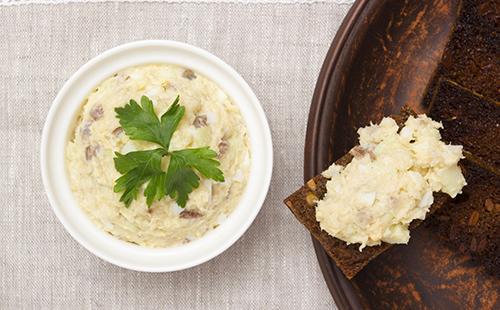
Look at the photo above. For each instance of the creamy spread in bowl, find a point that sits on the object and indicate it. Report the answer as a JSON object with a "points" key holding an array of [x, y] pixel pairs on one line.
{"points": [[389, 182], [210, 119], [60, 128]]}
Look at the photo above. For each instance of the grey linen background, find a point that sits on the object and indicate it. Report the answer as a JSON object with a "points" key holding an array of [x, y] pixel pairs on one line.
{"points": [[277, 48]]}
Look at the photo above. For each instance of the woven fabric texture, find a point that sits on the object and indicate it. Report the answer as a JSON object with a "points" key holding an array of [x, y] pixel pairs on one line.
{"points": [[277, 48], [24, 2]]}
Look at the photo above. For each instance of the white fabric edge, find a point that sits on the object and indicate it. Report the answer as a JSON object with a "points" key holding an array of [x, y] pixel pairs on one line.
{"points": [[53, 2]]}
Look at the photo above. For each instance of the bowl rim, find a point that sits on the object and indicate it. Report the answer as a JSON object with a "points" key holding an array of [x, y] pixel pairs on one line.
{"points": [[61, 116]]}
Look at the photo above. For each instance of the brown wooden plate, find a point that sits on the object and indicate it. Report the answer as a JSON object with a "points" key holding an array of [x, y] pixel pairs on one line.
{"points": [[385, 55]]}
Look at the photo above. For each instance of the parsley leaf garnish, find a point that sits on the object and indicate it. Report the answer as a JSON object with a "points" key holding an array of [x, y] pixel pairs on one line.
{"points": [[141, 122], [181, 180], [201, 159], [137, 168], [141, 167]]}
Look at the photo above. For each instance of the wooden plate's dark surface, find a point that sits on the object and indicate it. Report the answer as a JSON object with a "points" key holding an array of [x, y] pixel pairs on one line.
{"points": [[384, 56]]}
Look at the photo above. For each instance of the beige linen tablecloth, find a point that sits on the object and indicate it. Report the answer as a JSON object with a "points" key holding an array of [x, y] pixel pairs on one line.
{"points": [[277, 47]]}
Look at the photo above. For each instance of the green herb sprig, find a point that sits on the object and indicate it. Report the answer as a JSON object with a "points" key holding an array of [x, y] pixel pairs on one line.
{"points": [[140, 122]]}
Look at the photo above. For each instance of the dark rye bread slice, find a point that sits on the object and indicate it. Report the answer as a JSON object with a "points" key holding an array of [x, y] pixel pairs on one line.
{"points": [[348, 258], [471, 221], [470, 120], [471, 56]]}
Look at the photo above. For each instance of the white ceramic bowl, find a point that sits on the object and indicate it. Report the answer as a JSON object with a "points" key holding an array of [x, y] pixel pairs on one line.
{"points": [[56, 133]]}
